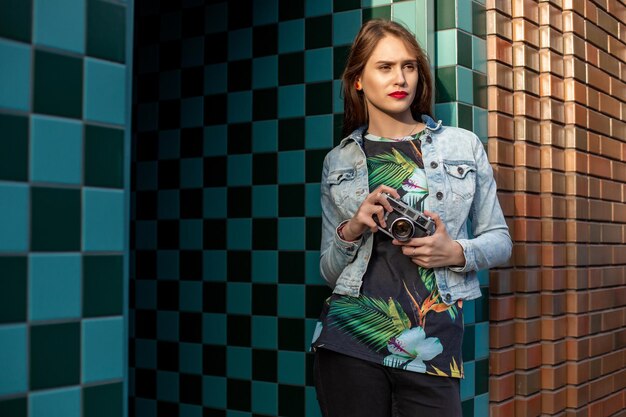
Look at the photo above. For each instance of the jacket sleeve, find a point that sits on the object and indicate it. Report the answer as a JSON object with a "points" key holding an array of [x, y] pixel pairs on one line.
{"points": [[491, 245], [335, 253]]}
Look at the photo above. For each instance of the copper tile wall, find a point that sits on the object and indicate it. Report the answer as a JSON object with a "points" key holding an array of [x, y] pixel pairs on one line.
{"points": [[557, 142]]}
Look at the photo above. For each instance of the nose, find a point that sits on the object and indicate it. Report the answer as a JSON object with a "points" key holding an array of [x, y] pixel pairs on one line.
{"points": [[400, 78]]}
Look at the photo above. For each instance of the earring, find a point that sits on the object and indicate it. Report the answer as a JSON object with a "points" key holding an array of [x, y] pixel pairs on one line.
{"points": [[357, 85]]}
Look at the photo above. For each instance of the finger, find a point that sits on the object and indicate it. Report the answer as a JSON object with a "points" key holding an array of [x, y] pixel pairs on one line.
{"points": [[389, 190], [380, 214]]}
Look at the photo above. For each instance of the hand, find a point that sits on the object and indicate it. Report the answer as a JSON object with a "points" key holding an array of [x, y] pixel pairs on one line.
{"points": [[374, 204], [434, 251]]}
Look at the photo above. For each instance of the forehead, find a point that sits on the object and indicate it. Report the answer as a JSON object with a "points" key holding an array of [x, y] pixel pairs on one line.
{"points": [[391, 48]]}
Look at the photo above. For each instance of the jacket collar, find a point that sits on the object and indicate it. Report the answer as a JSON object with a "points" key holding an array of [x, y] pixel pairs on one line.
{"points": [[357, 134]]}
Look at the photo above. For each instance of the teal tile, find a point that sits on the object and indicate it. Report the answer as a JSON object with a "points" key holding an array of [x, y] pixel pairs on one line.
{"points": [[58, 85], [192, 52], [15, 69], [168, 326], [445, 14], [447, 113], [264, 332], [265, 136], [465, 85], [54, 287], [480, 124], [54, 355], [445, 84], [192, 112], [264, 266], [15, 20], [481, 405], [291, 300], [106, 30], [239, 234], [469, 314], [291, 233], [167, 386], [215, 79], [239, 170], [214, 329], [60, 24], [14, 217], [445, 47], [372, 3], [214, 391], [187, 410], [291, 167], [104, 218], [318, 64], [146, 175], [13, 289], [214, 265], [345, 26], [13, 147], [240, 107], [264, 398], [103, 349], [464, 42], [406, 12], [190, 357], [145, 295], [467, 383], [103, 400], [291, 101], [13, 351], [216, 18], [312, 268], [240, 44], [105, 92], [103, 285], [214, 206], [264, 12], [191, 173], [238, 298], [14, 407], [62, 402], [291, 36], [239, 362], [291, 366], [479, 54], [312, 193], [265, 201], [483, 275], [318, 132], [145, 408], [167, 264], [317, 7], [190, 234], [104, 157], [482, 340], [382, 12], [311, 404], [168, 204], [464, 15], [56, 150], [265, 72]]}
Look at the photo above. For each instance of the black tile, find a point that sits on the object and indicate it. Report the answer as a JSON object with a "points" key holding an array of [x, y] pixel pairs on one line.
{"points": [[264, 365], [340, 57], [214, 360], [190, 267], [54, 355], [240, 75], [58, 84], [147, 87], [344, 5], [314, 164], [318, 32], [291, 134], [265, 234], [468, 342], [216, 48], [291, 68], [55, 219], [239, 138], [167, 295], [238, 331], [191, 203], [239, 202], [214, 297], [105, 400], [16, 22], [265, 40], [264, 104], [146, 30], [291, 200], [239, 14], [145, 264], [146, 205], [106, 30], [238, 394], [482, 306], [264, 168], [193, 22], [290, 9], [169, 114], [169, 55], [290, 401], [190, 327], [338, 134], [313, 233], [214, 169], [167, 356], [145, 383], [482, 377], [192, 142], [147, 146], [239, 266], [291, 267], [192, 82], [214, 234], [13, 281], [167, 409], [316, 296], [291, 334], [168, 234], [169, 174], [319, 98], [310, 361], [103, 285], [215, 108], [467, 407], [211, 412], [145, 324], [264, 299], [13, 147]]}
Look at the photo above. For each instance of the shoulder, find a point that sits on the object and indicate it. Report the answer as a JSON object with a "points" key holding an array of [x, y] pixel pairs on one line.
{"points": [[458, 134]]}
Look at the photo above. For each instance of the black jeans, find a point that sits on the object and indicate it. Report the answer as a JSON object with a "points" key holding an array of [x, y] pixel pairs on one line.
{"points": [[351, 387]]}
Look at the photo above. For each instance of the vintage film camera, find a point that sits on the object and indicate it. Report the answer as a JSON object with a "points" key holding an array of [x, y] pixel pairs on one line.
{"points": [[404, 222]]}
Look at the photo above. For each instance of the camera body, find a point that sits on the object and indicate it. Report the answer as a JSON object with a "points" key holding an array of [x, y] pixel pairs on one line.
{"points": [[404, 222]]}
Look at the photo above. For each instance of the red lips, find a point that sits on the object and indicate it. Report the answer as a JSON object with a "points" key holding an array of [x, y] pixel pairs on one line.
{"points": [[399, 94]]}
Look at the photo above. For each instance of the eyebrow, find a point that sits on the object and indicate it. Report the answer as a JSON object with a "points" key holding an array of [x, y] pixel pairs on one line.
{"points": [[393, 62]]}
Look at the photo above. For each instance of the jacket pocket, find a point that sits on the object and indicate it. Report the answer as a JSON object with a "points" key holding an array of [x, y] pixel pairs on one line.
{"points": [[461, 177], [340, 182]]}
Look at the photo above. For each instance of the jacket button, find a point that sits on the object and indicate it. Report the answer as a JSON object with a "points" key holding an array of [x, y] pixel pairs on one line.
{"points": [[429, 140], [448, 297], [433, 165], [460, 170], [439, 195]]}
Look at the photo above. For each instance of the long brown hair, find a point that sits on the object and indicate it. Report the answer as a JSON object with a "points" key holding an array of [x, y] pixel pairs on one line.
{"points": [[355, 108]]}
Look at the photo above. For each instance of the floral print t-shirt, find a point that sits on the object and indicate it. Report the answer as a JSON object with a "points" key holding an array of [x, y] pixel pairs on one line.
{"points": [[399, 319]]}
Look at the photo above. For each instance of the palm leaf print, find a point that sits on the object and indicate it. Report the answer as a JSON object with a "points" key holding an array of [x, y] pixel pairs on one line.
{"points": [[428, 277], [371, 321], [390, 169]]}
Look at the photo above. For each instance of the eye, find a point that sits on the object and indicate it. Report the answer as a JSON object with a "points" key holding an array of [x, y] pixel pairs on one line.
{"points": [[410, 67], [385, 67]]}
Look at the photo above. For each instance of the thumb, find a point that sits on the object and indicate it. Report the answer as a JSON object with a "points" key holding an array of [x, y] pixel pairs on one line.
{"points": [[438, 222]]}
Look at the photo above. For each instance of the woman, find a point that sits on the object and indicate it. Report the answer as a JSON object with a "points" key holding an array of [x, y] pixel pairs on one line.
{"points": [[388, 341]]}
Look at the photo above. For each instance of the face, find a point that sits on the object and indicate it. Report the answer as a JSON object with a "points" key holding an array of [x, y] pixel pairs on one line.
{"points": [[389, 78]]}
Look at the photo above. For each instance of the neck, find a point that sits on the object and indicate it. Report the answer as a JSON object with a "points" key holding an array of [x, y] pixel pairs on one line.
{"points": [[392, 125]]}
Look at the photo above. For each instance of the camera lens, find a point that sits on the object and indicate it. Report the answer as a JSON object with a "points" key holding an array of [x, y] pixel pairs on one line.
{"points": [[402, 229]]}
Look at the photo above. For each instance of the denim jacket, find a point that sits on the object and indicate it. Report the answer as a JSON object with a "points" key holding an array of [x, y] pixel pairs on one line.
{"points": [[462, 191]]}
